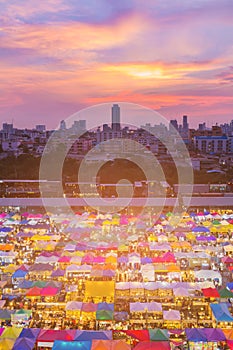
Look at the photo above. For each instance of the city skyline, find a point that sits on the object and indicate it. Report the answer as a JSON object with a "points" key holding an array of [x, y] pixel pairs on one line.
{"points": [[60, 56]]}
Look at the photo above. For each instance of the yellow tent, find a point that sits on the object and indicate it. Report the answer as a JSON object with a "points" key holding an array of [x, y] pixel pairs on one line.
{"points": [[111, 260], [100, 289], [6, 344], [11, 332], [123, 248], [10, 268], [40, 238]]}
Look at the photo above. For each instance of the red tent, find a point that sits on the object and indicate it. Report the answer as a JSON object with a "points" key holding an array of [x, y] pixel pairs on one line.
{"points": [[141, 335], [210, 293], [51, 335], [34, 292], [153, 345]]}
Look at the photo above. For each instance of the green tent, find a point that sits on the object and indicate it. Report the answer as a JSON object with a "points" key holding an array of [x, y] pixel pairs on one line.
{"points": [[39, 284], [104, 315], [158, 334], [225, 293]]}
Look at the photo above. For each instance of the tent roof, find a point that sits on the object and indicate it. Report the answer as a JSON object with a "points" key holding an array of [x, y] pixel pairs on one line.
{"points": [[109, 345], [195, 335], [210, 293], [11, 332], [51, 335], [221, 312], [92, 335], [158, 334], [71, 345], [30, 333], [151, 345], [24, 344]]}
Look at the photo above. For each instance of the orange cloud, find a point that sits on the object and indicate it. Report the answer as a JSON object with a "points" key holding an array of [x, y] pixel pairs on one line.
{"points": [[67, 39]]}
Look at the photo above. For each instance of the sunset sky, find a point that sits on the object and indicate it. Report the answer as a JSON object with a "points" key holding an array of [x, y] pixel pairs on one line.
{"points": [[58, 56]]}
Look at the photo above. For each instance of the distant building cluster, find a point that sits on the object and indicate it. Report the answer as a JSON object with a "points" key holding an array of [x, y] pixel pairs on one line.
{"points": [[217, 140]]}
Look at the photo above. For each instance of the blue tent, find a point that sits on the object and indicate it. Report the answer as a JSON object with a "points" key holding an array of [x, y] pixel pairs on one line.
{"points": [[195, 335], [105, 306], [71, 345], [230, 285], [221, 312], [6, 229], [202, 229], [24, 344], [25, 284], [31, 333], [19, 274], [6, 314]]}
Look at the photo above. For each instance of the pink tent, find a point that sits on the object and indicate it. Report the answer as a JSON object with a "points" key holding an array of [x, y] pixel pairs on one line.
{"points": [[99, 259], [64, 259], [89, 307], [49, 291], [153, 345]]}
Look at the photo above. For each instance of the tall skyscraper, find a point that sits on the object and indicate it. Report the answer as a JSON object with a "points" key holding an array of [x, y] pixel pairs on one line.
{"points": [[185, 123], [116, 126]]}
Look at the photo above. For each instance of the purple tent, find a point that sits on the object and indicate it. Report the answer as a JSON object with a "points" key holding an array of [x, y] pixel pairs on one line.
{"points": [[196, 335], [31, 333], [58, 273], [109, 273], [214, 334], [146, 260], [92, 335], [24, 344], [123, 259]]}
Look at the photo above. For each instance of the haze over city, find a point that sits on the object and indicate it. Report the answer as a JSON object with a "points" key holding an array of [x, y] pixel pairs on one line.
{"points": [[58, 57]]}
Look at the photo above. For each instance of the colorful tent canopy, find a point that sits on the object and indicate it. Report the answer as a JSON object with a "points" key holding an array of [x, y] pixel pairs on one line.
{"points": [[51, 335], [171, 315], [109, 345], [91, 335], [195, 335], [31, 333], [150, 345], [205, 335], [11, 333], [6, 344], [210, 293], [104, 315], [71, 345], [225, 293], [158, 334], [221, 312], [141, 335], [24, 344]]}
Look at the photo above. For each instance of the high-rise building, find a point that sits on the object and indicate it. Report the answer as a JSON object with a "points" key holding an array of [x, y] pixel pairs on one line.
{"points": [[173, 124], [79, 125], [116, 126], [8, 128], [62, 125], [40, 128], [185, 123]]}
